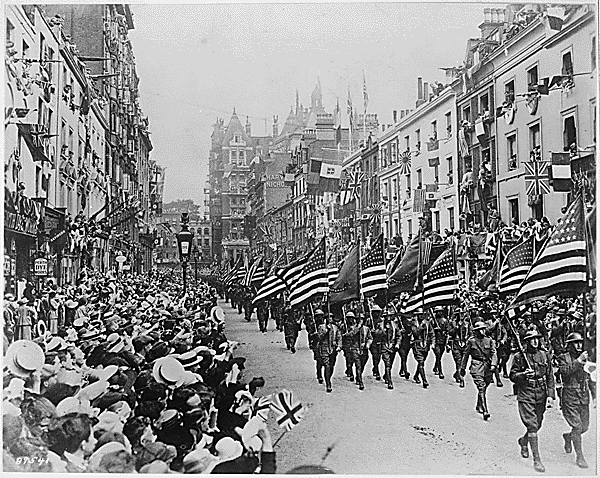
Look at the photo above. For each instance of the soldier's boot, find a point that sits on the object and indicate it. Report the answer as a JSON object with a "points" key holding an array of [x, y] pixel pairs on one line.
{"points": [[535, 451], [486, 412], [462, 382], [498, 381], [568, 442], [417, 376], [376, 373], [559, 395], [523, 442], [580, 461], [479, 406], [425, 383], [293, 349], [319, 373], [441, 372]]}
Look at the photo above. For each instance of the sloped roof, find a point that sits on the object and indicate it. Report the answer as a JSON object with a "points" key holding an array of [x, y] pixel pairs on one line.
{"points": [[235, 127]]}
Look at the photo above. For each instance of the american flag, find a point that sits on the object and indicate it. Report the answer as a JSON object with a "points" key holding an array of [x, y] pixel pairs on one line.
{"points": [[440, 283], [279, 280], [256, 273], [373, 276], [332, 270], [561, 267], [405, 162], [233, 274], [313, 278], [515, 266], [289, 411], [412, 304], [419, 201]]}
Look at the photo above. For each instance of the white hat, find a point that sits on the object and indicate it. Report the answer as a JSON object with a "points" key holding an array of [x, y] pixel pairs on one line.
{"points": [[228, 449], [110, 447], [114, 343], [169, 371], [56, 344], [24, 357]]}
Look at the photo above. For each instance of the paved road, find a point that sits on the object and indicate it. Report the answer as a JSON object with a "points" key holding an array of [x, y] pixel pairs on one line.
{"points": [[408, 430]]}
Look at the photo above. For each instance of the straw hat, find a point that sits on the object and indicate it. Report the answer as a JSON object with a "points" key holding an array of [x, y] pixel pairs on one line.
{"points": [[55, 345], [169, 371], [189, 359], [24, 357], [114, 343]]}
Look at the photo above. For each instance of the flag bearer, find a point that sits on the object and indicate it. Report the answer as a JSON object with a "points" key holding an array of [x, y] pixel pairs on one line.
{"points": [[405, 333], [440, 331], [458, 334], [359, 348], [330, 343], [291, 326], [377, 333], [346, 343], [389, 346], [423, 337]]}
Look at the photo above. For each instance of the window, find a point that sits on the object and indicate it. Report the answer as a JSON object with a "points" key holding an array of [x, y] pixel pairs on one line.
{"points": [[394, 153], [451, 218], [206, 242], [567, 64], [532, 78], [408, 186], [386, 191], [395, 227], [384, 157], [511, 151], [241, 156], [594, 53], [534, 137], [418, 140], [484, 103], [509, 92], [594, 121], [71, 144], [38, 173], [449, 124], [233, 156], [569, 133], [409, 225], [434, 129], [407, 143], [236, 139], [387, 229], [513, 208], [436, 221], [419, 179], [450, 170], [467, 113], [394, 193], [436, 173]]}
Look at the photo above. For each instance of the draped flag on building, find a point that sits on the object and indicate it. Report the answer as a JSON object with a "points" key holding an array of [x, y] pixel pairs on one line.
{"points": [[419, 201], [355, 184], [515, 267], [279, 280], [372, 270], [313, 279], [346, 286], [561, 266]]}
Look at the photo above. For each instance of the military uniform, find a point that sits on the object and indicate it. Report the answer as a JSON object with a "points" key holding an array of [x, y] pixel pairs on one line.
{"points": [[389, 345], [262, 313], [575, 400], [405, 344], [330, 343], [346, 342], [377, 332], [359, 348], [291, 327], [313, 340], [248, 306], [440, 332], [458, 334], [482, 351], [422, 339]]}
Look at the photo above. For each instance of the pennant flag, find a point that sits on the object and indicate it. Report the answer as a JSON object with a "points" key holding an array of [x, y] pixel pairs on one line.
{"points": [[561, 267], [405, 162], [350, 112], [560, 172], [365, 94], [515, 267], [345, 287], [372, 270], [313, 278], [338, 123], [440, 283], [279, 280], [288, 410], [419, 201]]}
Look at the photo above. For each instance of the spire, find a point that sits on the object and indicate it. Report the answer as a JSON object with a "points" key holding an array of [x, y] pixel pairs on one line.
{"points": [[297, 102], [234, 110]]}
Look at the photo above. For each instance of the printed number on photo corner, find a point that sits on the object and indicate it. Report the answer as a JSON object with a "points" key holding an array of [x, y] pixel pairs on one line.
{"points": [[23, 460]]}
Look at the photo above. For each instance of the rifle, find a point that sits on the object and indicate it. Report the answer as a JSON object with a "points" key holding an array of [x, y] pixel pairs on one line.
{"points": [[519, 345]]}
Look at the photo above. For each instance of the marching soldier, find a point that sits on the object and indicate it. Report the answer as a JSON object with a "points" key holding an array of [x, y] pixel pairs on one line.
{"points": [[458, 334], [440, 331], [291, 327], [313, 339], [484, 360], [389, 346], [576, 395], [497, 331], [359, 348], [422, 332], [377, 333], [531, 371], [405, 334], [276, 311], [346, 342], [330, 343], [247, 304]]}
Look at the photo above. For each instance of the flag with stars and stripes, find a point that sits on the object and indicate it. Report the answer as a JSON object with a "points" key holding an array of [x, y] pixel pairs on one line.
{"points": [[332, 270], [256, 273], [412, 304], [515, 267], [280, 280], [233, 274], [561, 266], [313, 279], [373, 277], [419, 201], [288, 410]]}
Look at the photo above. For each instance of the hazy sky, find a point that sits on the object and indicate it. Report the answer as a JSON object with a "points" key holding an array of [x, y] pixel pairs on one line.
{"points": [[197, 62]]}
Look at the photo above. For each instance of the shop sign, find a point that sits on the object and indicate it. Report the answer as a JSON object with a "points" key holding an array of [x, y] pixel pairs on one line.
{"points": [[40, 267], [6, 265], [13, 266], [126, 267], [18, 223]]}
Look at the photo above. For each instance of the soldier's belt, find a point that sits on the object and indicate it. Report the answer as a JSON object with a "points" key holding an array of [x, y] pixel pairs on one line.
{"points": [[536, 382]]}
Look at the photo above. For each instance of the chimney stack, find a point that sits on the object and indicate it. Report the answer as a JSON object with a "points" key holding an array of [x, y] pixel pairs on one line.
{"points": [[395, 114], [425, 92], [420, 99], [401, 114]]}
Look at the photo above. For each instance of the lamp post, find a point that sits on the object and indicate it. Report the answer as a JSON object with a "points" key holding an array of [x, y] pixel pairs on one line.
{"points": [[184, 241]]}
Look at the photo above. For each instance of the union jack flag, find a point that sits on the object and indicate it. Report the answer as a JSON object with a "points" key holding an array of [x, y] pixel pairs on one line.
{"points": [[262, 407], [289, 411], [536, 178], [355, 183], [405, 162]]}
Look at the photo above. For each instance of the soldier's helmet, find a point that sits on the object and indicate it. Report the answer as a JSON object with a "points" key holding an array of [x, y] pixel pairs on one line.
{"points": [[532, 334], [375, 308], [479, 326], [350, 315], [319, 313], [574, 337]]}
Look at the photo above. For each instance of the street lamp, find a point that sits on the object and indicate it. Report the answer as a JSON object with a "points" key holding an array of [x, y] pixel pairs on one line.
{"points": [[184, 241]]}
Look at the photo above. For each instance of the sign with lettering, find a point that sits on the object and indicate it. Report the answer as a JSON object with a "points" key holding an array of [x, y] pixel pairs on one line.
{"points": [[40, 267], [6, 265], [18, 223]]}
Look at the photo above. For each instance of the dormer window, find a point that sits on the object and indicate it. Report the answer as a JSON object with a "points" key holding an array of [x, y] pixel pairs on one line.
{"points": [[237, 139]]}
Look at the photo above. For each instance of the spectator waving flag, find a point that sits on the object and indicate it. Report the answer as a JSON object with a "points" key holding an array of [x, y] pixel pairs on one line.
{"points": [[561, 266], [373, 278], [515, 267], [313, 279], [288, 410], [262, 407]]}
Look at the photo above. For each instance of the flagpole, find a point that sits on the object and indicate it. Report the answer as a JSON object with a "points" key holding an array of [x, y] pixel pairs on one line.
{"points": [[584, 225], [421, 268]]}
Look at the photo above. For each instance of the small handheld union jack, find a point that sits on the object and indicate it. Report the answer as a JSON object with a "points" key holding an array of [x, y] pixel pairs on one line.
{"points": [[262, 407], [289, 411]]}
